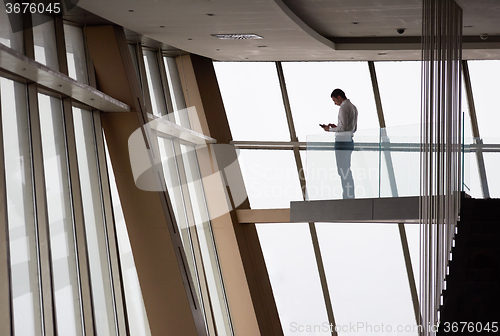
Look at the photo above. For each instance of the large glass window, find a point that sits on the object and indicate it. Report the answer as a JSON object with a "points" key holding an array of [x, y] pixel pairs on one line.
{"points": [[294, 277], [366, 275], [310, 85], [154, 83], [205, 239], [136, 311], [485, 81], [270, 177], [400, 92], [75, 53], [252, 99], [175, 188], [7, 37], [20, 209], [60, 217], [94, 222], [44, 36], [176, 94]]}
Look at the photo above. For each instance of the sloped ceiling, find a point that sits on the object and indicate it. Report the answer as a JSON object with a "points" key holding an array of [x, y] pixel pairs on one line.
{"points": [[294, 30]]}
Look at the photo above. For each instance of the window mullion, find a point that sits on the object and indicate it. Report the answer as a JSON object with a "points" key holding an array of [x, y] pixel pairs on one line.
{"points": [[79, 223], [194, 240], [164, 82], [41, 215], [6, 311], [144, 79], [117, 281]]}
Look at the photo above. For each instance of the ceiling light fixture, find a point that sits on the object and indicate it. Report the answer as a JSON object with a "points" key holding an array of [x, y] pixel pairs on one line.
{"points": [[237, 36]]}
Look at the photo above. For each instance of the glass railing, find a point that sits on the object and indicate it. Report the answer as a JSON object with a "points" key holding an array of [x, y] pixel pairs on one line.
{"points": [[386, 163], [482, 163]]}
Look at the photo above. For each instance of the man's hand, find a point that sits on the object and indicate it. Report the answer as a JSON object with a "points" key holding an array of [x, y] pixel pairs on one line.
{"points": [[325, 127]]}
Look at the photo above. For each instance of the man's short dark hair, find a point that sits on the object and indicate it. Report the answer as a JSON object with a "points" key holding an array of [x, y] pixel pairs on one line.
{"points": [[338, 92]]}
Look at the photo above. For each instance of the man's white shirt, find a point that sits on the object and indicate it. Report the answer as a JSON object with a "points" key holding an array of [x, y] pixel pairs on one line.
{"points": [[347, 121]]}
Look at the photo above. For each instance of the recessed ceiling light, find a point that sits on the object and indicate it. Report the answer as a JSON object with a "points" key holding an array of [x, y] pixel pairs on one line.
{"points": [[210, 14], [190, 39], [262, 46], [238, 36], [130, 10], [355, 22], [162, 26]]}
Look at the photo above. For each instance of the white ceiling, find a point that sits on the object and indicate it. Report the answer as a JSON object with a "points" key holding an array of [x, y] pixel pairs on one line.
{"points": [[295, 30]]}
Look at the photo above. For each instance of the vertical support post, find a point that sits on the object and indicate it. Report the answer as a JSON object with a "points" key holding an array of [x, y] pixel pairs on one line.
{"points": [[312, 226], [41, 214]]}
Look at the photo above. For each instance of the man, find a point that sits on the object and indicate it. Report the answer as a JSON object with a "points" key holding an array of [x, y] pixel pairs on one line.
{"points": [[346, 126]]}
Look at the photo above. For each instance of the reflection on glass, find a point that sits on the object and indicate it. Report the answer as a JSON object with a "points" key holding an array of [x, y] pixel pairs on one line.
{"points": [[44, 36], [94, 222], [136, 311], [310, 85], [400, 161], [62, 244], [294, 277], [7, 37], [20, 211], [75, 53], [154, 83], [206, 241], [171, 173], [271, 178], [366, 273], [252, 99], [324, 180], [133, 54], [176, 94], [400, 94]]}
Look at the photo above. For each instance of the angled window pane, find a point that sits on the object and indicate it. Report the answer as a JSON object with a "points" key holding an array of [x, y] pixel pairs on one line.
{"points": [[7, 37], [20, 210], [94, 222], [44, 36], [271, 178], [252, 99], [176, 94], [75, 53], [175, 192], [293, 272], [206, 241], [367, 277], [154, 83], [400, 92], [62, 243], [485, 81], [133, 54], [136, 311], [310, 85]]}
